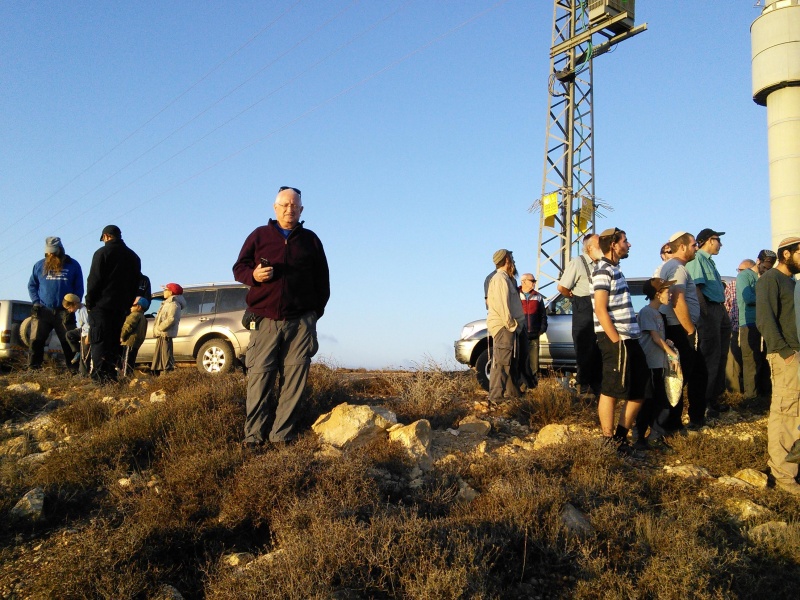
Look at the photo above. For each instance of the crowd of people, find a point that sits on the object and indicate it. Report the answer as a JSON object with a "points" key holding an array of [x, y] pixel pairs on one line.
{"points": [[282, 263], [685, 331], [94, 330]]}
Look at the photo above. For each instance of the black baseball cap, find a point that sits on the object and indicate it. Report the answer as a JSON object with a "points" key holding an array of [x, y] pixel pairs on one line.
{"points": [[707, 233]]}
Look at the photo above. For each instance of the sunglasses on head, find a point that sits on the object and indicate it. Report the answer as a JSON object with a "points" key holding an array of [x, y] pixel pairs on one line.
{"points": [[288, 187]]}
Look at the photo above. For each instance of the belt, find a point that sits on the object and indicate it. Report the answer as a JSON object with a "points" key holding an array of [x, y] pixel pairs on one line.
{"points": [[712, 302]]}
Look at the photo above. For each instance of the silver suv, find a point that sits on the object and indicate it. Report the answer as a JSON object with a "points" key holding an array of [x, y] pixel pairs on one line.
{"points": [[556, 350], [210, 333], [12, 315]]}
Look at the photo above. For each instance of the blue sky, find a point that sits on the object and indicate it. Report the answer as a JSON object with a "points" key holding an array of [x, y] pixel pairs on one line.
{"points": [[415, 130]]}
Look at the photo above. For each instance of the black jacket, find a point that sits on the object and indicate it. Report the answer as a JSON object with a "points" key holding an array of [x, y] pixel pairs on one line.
{"points": [[113, 280]]}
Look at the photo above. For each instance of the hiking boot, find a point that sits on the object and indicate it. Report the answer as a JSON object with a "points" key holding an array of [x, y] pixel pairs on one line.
{"points": [[641, 444], [794, 453]]}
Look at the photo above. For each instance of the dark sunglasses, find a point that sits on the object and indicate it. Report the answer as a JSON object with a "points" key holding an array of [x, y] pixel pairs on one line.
{"points": [[288, 187]]}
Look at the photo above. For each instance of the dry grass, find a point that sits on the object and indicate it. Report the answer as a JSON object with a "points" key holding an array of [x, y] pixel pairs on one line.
{"points": [[429, 391], [354, 527]]}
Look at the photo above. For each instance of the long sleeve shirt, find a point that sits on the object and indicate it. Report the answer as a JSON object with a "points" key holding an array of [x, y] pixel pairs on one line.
{"points": [[505, 308], [775, 312]]}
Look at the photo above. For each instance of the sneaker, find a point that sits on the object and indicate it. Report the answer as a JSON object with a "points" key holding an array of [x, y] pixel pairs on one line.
{"points": [[641, 444], [696, 425], [794, 453], [712, 413]]}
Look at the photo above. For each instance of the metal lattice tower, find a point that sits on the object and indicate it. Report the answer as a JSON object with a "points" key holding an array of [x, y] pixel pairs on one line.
{"points": [[568, 205]]}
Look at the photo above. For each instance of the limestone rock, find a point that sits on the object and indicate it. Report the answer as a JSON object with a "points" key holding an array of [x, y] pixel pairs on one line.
{"points": [[766, 531], [158, 396], [28, 386], [36, 458], [575, 522], [30, 506], [744, 510], [472, 424], [688, 471], [238, 559], [349, 426], [465, 491], [16, 447], [130, 482], [416, 438], [753, 477], [524, 444], [551, 435], [733, 482], [265, 560]]}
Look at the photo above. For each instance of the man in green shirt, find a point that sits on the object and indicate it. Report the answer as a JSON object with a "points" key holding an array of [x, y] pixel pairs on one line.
{"points": [[755, 374], [775, 319], [714, 325]]}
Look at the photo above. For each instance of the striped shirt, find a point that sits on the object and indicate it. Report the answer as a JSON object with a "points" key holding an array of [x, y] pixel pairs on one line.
{"points": [[609, 278]]}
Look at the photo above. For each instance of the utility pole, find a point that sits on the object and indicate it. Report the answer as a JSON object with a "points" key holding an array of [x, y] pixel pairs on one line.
{"points": [[568, 205]]}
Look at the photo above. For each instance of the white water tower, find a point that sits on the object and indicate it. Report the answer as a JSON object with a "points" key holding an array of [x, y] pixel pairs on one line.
{"points": [[775, 39]]}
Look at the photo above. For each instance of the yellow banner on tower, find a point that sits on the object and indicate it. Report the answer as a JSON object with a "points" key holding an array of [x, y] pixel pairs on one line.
{"points": [[550, 208]]}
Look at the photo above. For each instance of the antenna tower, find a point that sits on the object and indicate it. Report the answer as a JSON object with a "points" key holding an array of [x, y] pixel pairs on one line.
{"points": [[568, 205]]}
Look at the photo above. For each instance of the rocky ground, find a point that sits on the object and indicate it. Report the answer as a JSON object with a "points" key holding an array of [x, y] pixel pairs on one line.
{"points": [[28, 439]]}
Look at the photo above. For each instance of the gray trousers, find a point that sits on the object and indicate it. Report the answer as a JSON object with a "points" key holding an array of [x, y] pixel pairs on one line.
{"points": [[504, 352], [784, 417], [754, 363], [715, 338], [279, 350]]}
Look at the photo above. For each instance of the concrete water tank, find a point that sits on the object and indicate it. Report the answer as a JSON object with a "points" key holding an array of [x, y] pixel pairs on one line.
{"points": [[775, 40]]}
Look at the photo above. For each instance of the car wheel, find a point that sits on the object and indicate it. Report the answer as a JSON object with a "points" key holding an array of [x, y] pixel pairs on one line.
{"points": [[482, 368], [215, 356]]}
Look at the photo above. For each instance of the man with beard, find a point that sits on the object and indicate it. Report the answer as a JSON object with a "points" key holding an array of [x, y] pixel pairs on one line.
{"points": [[504, 322], [714, 324], [775, 319], [625, 370], [576, 283], [53, 277], [683, 313], [755, 376]]}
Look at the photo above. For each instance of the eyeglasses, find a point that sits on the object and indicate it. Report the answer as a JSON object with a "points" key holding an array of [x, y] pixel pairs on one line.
{"points": [[288, 187], [529, 280], [287, 205]]}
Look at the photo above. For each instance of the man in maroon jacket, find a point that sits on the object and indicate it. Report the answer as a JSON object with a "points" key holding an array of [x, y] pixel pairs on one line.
{"points": [[285, 266]]}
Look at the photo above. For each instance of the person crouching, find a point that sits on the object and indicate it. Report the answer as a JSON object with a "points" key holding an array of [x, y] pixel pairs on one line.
{"points": [[77, 338], [134, 332], [166, 327]]}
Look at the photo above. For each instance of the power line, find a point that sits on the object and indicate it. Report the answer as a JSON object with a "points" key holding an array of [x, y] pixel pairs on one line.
{"points": [[286, 124], [230, 92], [151, 119]]}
